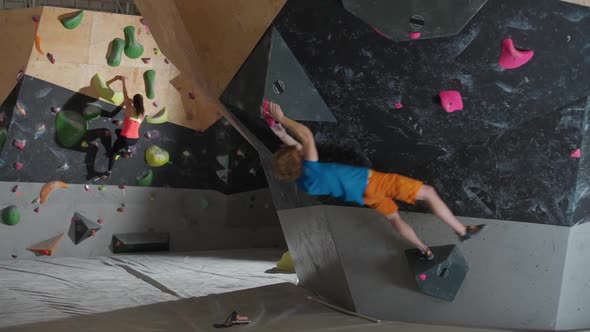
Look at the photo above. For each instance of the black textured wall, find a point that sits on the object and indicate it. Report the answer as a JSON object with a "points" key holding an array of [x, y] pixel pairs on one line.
{"points": [[506, 155]]}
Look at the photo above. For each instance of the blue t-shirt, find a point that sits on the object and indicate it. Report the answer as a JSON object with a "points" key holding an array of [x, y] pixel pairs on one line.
{"points": [[336, 180]]}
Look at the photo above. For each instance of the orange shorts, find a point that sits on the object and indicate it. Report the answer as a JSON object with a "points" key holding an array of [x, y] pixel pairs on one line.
{"points": [[383, 188]]}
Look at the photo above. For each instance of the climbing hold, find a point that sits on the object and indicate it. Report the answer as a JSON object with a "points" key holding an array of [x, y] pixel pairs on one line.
{"points": [[36, 18], [20, 109], [71, 21], [577, 153], [186, 154], [133, 49], [146, 60], [20, 75], [397, 105], [240, 153], [266, 113], [86, 187], [155, 104], [222, 174], [286, 263], [415, 35], [121, 209], [55, 110], [122, 186], [38, 45], [70, 128], [19, 143], [51, 58], [156, 157], [15, 189], [91, 112], [49, 187], [114, 57], [82, 228], [511, 58], [40, 130], [158, 118], [47, 247], [100, 221], [18, 166], [3, 136], [36, 200], [118, 123], [191, 96], [155, 134], [36, 209], [156, 51], [451, 101], [422, 277], [101, 188], [149, 78], [84, 144], [145, 180], [223, 160], [105, 92], [11, 215], [64, 167], [166, 60]]}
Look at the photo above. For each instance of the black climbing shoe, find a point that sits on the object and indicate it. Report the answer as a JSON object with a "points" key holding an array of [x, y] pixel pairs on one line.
{"points": [[471, 231], [426, 256]]}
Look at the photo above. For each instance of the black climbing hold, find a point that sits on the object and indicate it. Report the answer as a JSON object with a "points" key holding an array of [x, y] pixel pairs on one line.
{"points": [[441, 277], [140, 242], [82, 228]]}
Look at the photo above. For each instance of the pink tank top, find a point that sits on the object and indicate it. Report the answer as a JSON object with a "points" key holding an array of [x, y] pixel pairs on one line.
{"points": [[130, 128]]}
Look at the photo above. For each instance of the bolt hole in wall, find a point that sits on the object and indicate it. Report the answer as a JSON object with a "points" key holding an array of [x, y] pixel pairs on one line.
{"points": [[278, 87], [442, 272], [416, 22]]}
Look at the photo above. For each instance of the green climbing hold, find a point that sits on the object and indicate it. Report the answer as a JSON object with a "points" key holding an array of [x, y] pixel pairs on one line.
{"points": [[84, 144], [72, 21], [145, 180], [156, 157], [105, 92], [11, 215], [158, 118], [133, 49], [92, 112], [3, 135], [70, 127], [114, 57], [149, 77], [101, 188]]}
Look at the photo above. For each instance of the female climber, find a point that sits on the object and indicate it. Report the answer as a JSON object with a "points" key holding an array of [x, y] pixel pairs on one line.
{"points": [[129, 135], [298, 160]]}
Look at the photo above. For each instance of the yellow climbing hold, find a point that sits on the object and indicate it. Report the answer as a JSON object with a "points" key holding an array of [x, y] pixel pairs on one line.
{"points": [[158, 118], [286, 263], [156, 156], [105, 92]]}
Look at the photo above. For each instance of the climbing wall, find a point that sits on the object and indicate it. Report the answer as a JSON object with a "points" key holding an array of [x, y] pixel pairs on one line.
{"points": [[82, 52]]}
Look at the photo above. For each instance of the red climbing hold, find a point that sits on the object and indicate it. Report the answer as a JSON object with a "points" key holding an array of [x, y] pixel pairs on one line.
{"points": [[121, 209], [451, 101], [577, 153], [36, 18], [266, 113], [18, 166], [511, 57], [44, 252], [191, 95], [122, 186], [415, 35], [19, 143], [51, 58], [146, 60], [397, 105]]}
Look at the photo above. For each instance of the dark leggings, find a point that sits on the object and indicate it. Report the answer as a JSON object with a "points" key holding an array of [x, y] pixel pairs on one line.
{"points": [[121, 143]]}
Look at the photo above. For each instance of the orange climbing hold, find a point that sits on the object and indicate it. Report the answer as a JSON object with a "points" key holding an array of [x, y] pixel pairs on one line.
{"points": [[20, 109], [38, 45], [49, 187], [47, 247]]}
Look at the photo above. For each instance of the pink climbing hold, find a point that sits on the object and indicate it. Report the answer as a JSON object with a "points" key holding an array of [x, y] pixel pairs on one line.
{"points": [[577, 153], [155, 104], [451, 101], [191, 95], [19, 143], [100, 221], [86, 187], [266, 113], [166, 60], [51, 58], [146, 60], [415, 35], [422, 277], [55, 110], [18, 166], [511, 57], [398, 105], [122, 186]]}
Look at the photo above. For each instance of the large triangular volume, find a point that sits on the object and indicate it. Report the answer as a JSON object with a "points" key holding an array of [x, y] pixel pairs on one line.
{"points": [[47, 247], [82, 228], [287, 83]]}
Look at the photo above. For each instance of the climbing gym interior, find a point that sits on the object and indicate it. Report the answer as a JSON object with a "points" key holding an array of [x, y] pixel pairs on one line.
{"points": [[137, 189]]}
